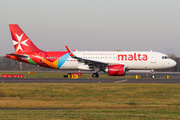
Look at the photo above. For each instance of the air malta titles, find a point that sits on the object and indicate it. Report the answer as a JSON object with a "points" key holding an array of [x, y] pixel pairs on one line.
{"points": [[131, 57]]}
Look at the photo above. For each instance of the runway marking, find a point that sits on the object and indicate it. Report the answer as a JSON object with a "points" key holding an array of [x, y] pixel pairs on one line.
{"points": [[120, 81]]}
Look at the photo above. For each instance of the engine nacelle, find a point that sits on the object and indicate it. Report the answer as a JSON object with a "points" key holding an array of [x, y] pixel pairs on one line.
{"points": [[116, 70]]}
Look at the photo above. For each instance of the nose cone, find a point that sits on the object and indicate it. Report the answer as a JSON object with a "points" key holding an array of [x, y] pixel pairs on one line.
{"points": [[173, 63]]}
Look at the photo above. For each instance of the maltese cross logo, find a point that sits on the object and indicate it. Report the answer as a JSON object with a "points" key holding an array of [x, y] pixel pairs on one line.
{"points": [[20, 43]]}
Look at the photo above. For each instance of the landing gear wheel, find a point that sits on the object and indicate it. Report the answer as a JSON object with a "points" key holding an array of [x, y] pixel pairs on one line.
{"points": [[95, 75], [153, 76]]}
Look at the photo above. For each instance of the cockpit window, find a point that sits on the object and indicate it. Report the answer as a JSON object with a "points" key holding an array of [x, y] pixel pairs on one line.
{"points": [[165, 57]]}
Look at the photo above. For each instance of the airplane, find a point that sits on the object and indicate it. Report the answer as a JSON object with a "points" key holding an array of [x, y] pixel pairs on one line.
{"points": [[114, 63]]}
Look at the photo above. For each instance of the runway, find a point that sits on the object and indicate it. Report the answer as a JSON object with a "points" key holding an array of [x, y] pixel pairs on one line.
{"points": [[22, 80], [160, 78]]}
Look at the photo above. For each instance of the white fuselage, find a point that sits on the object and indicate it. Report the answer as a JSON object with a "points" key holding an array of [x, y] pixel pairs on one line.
{"points": [[133, 60]]}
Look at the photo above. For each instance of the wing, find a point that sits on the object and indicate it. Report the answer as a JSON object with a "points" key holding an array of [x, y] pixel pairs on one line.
{"points": [[89, 62]]}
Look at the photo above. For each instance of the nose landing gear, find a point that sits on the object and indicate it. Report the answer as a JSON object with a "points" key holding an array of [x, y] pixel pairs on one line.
{"points": [[152, 74]]}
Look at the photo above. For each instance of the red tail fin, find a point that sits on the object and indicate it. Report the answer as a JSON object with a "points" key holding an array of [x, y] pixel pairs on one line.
{"points": [[22, 43]]}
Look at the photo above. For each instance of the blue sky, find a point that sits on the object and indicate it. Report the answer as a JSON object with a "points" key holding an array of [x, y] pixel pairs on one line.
{"points": [[89, 25]]}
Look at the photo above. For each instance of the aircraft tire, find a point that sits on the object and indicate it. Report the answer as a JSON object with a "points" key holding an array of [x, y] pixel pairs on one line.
{"points": [[153, 76], [95, 75]]}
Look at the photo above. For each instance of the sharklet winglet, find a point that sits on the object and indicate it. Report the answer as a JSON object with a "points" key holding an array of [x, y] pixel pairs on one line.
{"points": [[69, 51]]}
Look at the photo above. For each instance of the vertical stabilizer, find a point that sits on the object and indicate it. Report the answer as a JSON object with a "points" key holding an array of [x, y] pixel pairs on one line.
{"points": [[22, 44]]}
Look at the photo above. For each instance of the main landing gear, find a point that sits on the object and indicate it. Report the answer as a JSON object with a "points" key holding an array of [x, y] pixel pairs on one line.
{"points": [[95, 75], [152, 74]]}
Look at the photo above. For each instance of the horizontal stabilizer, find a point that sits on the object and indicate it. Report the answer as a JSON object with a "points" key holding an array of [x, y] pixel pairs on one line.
{"points": [[20, 56]]}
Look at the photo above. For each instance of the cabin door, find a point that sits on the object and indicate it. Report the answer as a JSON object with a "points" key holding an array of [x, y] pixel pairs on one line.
{"points": [[153, 58]]}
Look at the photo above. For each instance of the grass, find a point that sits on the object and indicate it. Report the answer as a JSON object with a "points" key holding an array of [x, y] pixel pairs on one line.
{"points": [[126, 114], [90, 101]]}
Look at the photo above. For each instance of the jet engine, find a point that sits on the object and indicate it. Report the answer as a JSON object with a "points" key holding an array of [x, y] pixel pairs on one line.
{"points": [[116, 70]]}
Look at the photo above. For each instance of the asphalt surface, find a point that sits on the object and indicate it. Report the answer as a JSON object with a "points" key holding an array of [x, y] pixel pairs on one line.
{"points": [[22, 80], [160, 78]]}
